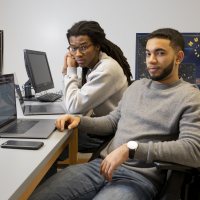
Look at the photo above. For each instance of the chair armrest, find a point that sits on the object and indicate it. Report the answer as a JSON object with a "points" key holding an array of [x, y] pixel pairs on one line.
{"points": [[173, 166], [177, 182]]}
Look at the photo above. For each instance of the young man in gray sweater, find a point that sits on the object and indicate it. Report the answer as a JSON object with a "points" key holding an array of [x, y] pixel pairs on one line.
{"points": [[157, 119]]}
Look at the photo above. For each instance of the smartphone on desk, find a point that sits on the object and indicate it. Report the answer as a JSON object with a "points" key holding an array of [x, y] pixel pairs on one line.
{"points": [[20, 144]]}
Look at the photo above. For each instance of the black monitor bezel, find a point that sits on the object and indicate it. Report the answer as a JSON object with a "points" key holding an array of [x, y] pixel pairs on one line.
{"points": [[37, 87], [1, 50]]}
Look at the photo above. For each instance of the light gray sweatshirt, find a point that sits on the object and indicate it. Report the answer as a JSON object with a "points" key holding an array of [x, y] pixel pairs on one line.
{"points": [[101, 93], [164, 119]]}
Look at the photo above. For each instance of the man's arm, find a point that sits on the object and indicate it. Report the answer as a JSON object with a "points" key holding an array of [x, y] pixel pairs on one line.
{"points": [[105, 125], [185, 149]]}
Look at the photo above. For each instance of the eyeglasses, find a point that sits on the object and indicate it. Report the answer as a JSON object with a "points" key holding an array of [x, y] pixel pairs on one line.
{"points": [[82, 49]]}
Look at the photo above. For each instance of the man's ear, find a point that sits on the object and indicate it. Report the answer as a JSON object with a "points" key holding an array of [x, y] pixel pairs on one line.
{"points": [[180, 57]]}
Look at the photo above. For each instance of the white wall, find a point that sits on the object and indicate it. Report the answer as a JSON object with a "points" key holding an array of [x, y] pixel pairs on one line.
{"points": [[42, 25]]}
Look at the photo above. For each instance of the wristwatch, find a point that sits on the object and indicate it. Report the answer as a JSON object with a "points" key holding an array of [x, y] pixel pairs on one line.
{"points": [[132, 146]]}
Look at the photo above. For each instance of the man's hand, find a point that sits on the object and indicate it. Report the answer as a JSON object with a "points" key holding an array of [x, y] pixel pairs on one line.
{"points": [[69, 61], [113, 160], [67, 121]]}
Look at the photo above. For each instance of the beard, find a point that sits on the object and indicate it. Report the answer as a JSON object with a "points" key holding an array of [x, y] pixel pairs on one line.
{"points": [[164, 74]]}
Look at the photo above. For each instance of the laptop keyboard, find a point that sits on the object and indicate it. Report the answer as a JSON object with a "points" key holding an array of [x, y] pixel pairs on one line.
{"points": [[20, 127]]}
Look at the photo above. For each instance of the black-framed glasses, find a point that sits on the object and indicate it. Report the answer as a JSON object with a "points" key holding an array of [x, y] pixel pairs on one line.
{"points": [[82, 48]]}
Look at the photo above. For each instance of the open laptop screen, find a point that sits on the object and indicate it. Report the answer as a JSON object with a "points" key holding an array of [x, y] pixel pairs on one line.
{"points": [[19, 94], [8, 111]]}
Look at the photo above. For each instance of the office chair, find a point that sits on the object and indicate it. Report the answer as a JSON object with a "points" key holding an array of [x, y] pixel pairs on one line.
{"points": [[182, 182]]}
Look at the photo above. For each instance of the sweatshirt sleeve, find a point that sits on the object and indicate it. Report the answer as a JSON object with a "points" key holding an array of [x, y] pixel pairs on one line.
{"points": [[104, 125], [185, 150], [102, 83]]}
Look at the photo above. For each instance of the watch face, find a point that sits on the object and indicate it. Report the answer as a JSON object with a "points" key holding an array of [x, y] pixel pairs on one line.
{"points": [[132, 145]]}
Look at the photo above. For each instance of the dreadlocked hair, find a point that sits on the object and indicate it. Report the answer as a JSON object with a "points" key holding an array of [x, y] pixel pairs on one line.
{"points": [[93, 30]]}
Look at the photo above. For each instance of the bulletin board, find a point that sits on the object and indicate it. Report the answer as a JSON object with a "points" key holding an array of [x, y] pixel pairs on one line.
{"points": [[189, 68]]}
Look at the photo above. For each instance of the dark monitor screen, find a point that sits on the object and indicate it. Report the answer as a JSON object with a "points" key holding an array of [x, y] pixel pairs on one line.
{"points": [[8, 111], [38, 70]]}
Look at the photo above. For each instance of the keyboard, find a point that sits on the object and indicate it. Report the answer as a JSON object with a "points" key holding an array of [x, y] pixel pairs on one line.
{"points": [[49, 97]]}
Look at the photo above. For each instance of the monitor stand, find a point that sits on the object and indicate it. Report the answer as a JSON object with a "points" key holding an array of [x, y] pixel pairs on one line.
{"points": [[28, 93]]}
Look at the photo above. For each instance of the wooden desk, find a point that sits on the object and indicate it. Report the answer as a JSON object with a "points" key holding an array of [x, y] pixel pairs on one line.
{"points": [[22, 170]]}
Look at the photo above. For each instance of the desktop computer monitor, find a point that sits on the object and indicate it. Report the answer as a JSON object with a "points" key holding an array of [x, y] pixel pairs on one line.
{"points": [[38, 70]]}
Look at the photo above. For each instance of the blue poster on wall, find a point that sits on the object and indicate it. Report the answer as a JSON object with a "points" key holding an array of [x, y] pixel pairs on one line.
{"points": [[189, 68]]}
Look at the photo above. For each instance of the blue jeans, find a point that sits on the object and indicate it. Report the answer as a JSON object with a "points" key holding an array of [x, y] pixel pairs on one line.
{"points": [[84, 182]]}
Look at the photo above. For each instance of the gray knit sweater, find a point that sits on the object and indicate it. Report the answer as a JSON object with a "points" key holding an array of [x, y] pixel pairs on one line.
{"points": [[164, 119]]}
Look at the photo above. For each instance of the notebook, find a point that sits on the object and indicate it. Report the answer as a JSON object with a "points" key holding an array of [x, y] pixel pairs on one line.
{"points": [[41, 108], [13, 127]]}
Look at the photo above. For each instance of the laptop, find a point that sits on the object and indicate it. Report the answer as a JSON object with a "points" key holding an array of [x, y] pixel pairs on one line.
{"points": [[40, 108], [13, 127]]}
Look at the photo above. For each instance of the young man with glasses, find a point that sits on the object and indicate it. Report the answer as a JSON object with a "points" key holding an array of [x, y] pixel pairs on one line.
{"points": [[105, 76], [158, 119]]}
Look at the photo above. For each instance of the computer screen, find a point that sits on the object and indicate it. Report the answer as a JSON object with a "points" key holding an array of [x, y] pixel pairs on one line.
{"points": [[38, 70], [7, 99]]}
